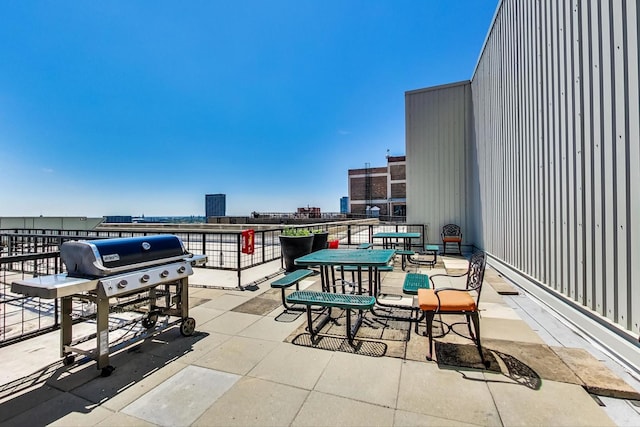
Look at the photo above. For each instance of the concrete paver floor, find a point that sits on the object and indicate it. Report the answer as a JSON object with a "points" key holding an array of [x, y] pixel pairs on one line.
{"points": [[238, 369]]}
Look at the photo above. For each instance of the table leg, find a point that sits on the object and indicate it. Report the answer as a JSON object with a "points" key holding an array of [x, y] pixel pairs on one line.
{"points": [[323, 278]]}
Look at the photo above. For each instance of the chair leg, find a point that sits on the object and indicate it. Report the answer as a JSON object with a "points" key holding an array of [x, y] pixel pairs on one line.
{"points": [[429, 315], [471, 334], [476, 324]]}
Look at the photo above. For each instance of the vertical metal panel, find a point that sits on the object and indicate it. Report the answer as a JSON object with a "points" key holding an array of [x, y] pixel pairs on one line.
{"points": [[574, 19], [437, 157], [551, 164], [633, 160], [619, 47], [607, 159], [596, 178], [587, 94]]}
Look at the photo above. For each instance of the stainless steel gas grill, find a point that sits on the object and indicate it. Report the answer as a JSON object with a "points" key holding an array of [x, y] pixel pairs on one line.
{"points": [[107, 271]]}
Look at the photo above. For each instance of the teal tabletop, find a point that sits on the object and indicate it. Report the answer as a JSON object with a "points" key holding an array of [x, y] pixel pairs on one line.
{"points": [[358, 257]]}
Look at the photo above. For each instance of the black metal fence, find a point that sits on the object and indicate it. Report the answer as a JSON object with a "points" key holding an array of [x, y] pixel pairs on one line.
{"points": [[30, 253]]}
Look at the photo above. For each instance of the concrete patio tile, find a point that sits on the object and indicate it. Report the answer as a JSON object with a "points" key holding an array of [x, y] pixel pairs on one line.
{"points": [[351, 376], [214, 278], [597, 378], [229, 323], [502, 287], [405, 418], [329, 410], [238, 355], [530, 359], [206, 293], [15, 402], [293, 365], [255, 402], [64, 410], [130, 392], [203, 314], [508, 329], [121, 419], [458, 395], [130, 373], [554, 403], [489, 295], [228, 301], [497, 311], [267, 328], [33, 353], [171, 345], [182, 398]]}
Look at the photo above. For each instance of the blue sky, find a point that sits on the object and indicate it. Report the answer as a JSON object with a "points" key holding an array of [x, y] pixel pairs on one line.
{"points": [[131, 108]]}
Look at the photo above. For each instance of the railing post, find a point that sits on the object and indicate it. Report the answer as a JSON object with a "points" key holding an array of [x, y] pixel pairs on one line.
{"points": [[349, 234], [238, 247], [204, 243]]}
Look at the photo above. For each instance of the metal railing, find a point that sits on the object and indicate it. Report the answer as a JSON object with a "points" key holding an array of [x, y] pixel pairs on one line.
{"points": [[30, 253]]}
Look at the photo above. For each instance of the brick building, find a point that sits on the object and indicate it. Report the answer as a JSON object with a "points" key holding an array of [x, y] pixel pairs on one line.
{"points": [[384, 187]]}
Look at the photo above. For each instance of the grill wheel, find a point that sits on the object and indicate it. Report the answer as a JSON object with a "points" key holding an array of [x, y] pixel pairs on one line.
{"points": [[188, 326]]}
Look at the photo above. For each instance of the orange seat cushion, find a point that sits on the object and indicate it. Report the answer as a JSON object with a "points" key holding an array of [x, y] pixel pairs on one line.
{"points": [[451, 239], [449, 301]]}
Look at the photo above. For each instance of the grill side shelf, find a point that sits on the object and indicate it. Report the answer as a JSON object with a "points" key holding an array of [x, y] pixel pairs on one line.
{"points": [[54, 286]]}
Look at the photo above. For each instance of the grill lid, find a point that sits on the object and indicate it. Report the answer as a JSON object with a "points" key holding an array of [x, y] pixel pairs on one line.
{"points": [[98, 258]]}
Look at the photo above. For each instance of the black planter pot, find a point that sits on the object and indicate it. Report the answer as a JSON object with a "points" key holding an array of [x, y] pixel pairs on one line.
{"points": [[320, 241], [295, 247]]}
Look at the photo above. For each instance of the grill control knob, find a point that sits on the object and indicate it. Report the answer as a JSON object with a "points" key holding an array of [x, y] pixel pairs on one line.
{"points": [[122, 283], [182, 269], [165, 273], [145, 278]]}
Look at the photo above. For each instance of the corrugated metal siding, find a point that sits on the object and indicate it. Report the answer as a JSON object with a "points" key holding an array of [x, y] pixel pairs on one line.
{"points": [[437, 157], [556, 143]]}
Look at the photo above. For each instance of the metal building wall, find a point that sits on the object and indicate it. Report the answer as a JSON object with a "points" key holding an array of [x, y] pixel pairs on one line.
{"points": [[437, 131], [557, 145]]}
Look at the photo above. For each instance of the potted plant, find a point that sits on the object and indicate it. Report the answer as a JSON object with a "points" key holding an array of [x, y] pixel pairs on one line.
{"points": [[320, 238], [295, 242]]}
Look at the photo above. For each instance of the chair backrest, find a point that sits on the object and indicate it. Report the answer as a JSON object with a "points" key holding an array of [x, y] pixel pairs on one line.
{"points": [[451, 230], [475, 274]]}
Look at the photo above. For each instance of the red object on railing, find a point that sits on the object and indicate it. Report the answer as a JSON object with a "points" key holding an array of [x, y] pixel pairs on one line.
{"points": [[333, 244], [248, 241]]}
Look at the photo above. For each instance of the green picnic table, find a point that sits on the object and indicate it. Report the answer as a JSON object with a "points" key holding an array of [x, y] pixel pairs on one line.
{"points": [[327, 259]]}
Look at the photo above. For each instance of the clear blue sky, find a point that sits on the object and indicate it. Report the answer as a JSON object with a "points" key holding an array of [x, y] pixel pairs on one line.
{"points": [[143, 107]]}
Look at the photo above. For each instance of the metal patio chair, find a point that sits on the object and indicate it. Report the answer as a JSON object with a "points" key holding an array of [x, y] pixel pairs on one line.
{"points": [[451, 233], [456, 301]]}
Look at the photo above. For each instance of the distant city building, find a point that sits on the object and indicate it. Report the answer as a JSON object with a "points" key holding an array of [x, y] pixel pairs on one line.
{"points": [[215, 205], [382, 187], [344, 205], [309, 212]]}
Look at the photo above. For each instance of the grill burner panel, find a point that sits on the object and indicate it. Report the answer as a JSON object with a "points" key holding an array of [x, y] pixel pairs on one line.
{"points": [[127, 283]]}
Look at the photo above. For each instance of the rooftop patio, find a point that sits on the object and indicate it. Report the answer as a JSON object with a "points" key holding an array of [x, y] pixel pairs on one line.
{"points": [[250, 363]]}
